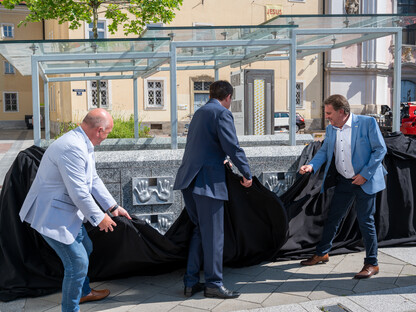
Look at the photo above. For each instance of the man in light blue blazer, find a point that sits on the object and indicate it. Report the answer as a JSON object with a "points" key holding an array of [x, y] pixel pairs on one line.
{"points": [[201, 178], [359, 148], [62, 197]]}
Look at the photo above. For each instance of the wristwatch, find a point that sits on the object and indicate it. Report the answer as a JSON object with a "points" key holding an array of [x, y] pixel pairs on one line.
{"points": [[114, 208]]}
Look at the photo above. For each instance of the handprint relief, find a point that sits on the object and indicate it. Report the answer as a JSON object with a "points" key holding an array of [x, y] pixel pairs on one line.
{"points": [[163, 190], [152, 191], [142, 190], [279, 186], [272, 182]]}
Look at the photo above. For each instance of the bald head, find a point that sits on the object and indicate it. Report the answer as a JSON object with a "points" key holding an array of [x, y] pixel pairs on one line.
{"points": [[97, 117], [97, 124]]}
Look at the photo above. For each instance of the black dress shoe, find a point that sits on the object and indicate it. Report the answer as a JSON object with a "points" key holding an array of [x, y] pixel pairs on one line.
{"points": [[190, 291], [220, 292]]}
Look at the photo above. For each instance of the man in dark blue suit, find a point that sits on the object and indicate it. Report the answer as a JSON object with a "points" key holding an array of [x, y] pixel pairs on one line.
{"points": [[201, 178], [359, 148]]}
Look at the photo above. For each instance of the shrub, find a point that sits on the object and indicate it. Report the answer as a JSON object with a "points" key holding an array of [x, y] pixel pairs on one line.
{"points": [[121, 129]]}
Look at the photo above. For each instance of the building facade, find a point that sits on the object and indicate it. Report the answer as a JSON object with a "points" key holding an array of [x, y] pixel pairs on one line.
{"points": [[360, 72]]}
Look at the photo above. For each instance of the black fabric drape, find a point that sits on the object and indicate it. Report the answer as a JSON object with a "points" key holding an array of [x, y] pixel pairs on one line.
{"points": [[258, 226], [255, 227], [395, 215]]}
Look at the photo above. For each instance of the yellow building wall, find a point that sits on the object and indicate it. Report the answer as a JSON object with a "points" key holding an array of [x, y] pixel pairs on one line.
{"points": [[68, 106], [16, 82]]}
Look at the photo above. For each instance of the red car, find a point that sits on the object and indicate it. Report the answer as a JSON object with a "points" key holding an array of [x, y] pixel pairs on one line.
{"points": [[408, 113]]}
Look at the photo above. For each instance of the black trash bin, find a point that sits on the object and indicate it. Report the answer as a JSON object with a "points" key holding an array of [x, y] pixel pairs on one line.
{"points": [[28, 121]]}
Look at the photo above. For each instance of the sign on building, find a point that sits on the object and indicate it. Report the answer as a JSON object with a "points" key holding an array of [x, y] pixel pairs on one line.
{"points": [[273, 10]]}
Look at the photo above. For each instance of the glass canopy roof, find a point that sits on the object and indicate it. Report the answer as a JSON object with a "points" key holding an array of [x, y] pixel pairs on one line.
{"points": [[211, 46]]}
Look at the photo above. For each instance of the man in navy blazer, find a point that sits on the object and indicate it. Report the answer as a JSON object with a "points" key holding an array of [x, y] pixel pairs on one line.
{"points": [[63, 196], [359, 149], [201, 178]]}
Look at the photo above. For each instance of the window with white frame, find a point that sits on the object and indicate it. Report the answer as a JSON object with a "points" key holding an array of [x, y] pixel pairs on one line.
{"points": [[8, 68], [155, 93], [7, 30], [11, 103], [93, 94], [101, 30], [299, 95]]}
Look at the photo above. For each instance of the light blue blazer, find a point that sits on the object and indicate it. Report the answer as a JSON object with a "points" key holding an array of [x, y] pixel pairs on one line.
{"points": [[61, 196], [367, 152]]}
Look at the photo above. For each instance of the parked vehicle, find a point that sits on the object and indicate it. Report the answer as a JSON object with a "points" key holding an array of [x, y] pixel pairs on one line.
{"points": [[408, 124], [407, 118], [281, 121]]}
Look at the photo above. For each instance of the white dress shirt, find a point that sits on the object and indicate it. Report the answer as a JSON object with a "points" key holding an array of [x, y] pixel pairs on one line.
{"points": [[342, 150]]}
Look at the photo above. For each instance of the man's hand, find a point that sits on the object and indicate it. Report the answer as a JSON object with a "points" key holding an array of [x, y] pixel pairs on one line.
{"points": [[246, 183], [120, 211], [107, 224], [305, 168], [358, 179]]}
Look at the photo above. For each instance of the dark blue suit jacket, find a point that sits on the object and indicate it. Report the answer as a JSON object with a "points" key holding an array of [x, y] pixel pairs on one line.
{"points": [[211, 137]]}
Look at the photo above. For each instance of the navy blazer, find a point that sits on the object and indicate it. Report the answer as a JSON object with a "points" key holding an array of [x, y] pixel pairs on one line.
{"points": [[211, 137], [367, 152]]}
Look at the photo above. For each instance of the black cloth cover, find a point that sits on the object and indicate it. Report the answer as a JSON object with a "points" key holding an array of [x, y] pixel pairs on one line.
{"points": [[258, 226], [395, 215], [255, 226]]}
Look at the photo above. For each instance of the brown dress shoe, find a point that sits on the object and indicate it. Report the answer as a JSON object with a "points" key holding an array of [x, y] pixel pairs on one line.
{"points": [[315, 259], [367, 271], [95, 295]]}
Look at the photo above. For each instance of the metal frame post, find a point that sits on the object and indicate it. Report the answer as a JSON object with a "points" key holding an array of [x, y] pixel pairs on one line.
{"points": [[397, 80], [136, 109], [292, 89], [173, 98], [35, 101], [46, 107]]}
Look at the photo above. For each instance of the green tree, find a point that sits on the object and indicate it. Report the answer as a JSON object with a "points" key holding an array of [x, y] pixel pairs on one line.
{"points": [[117, 12]]}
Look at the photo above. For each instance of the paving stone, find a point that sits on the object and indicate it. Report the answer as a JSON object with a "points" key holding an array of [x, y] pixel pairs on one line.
{"points": [[278, 298], [283, 308], [390, 268], [182, 308], [334, 281], [315, 306], [164, 280], [314, 272], [298, 288], [350, 264], [176, 290], [371, 284], [405, 280], [408, 269], [137, 293], [200, 302], [38, 305], [402, 253], [384, 302], [251, 270], [115, 287], [55, 297], [158, 303], [273, 276], [235, 304], [13, 306], [288, 266], [321, 292], [236, 281], [108, 306], [386, 258], [256, 292]]}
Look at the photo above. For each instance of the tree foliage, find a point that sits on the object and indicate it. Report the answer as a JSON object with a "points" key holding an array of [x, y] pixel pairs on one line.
{"points": [[116, 12]]}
